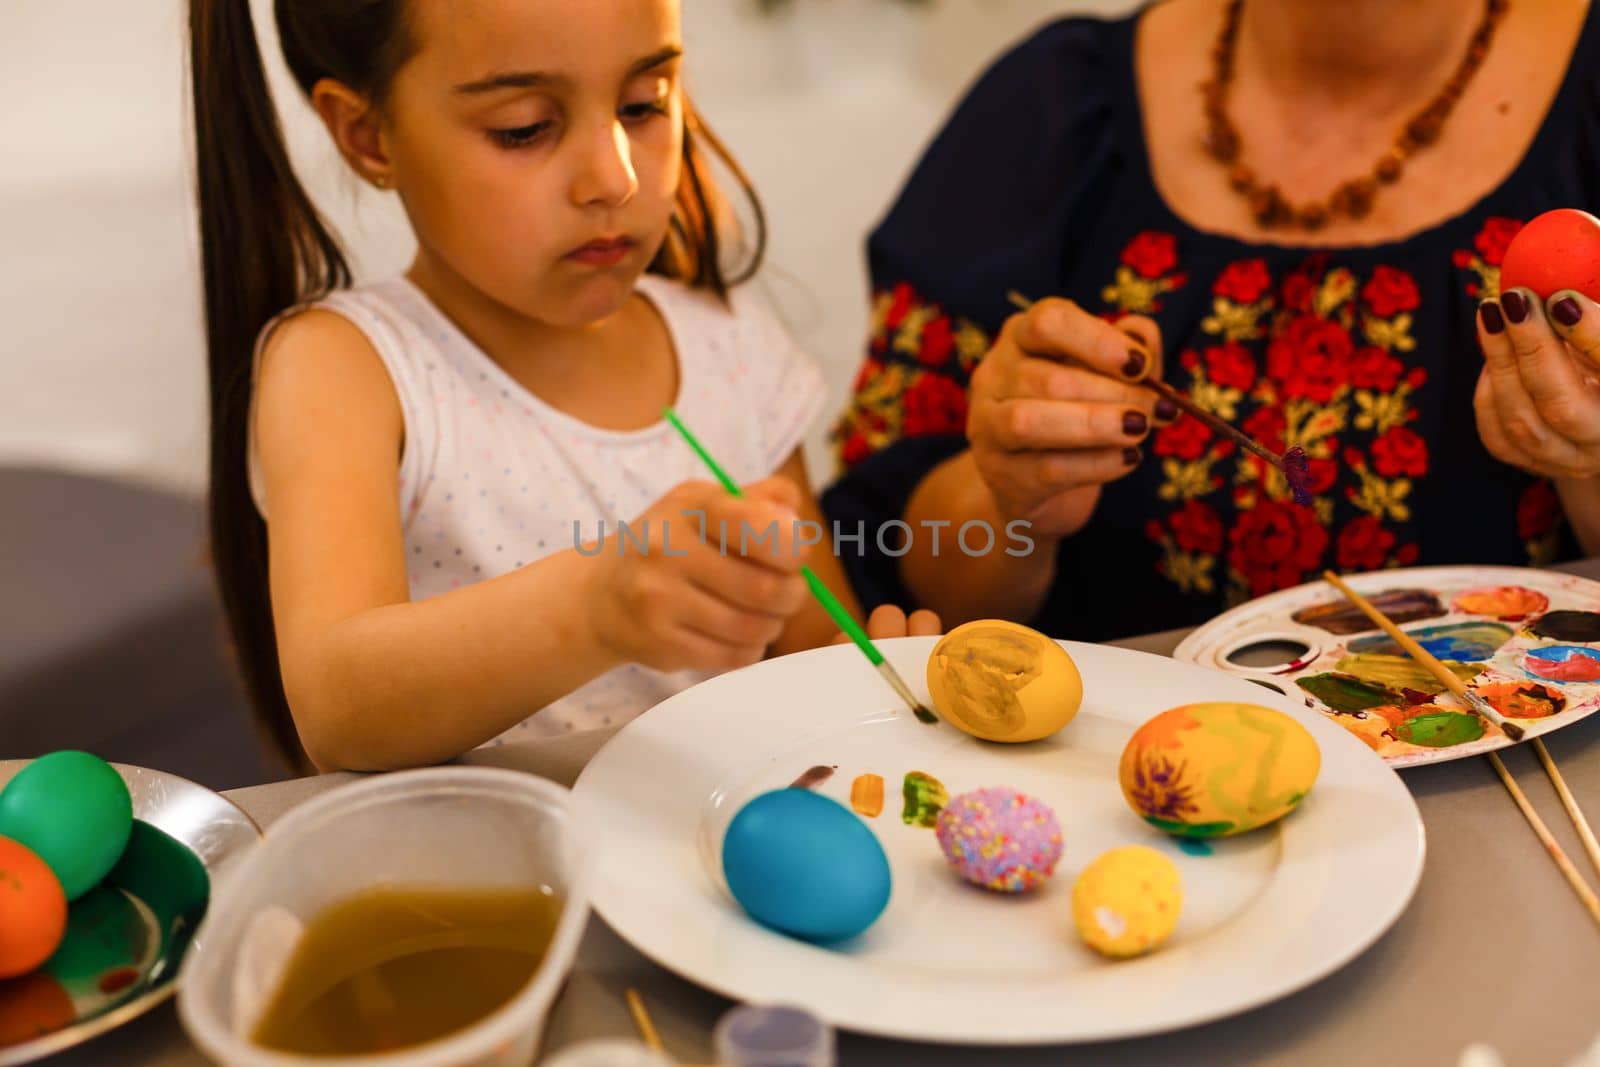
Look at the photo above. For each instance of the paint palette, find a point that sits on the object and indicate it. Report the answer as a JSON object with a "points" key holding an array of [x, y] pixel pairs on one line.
{"points": [[1264, 913], [1527, 640]]}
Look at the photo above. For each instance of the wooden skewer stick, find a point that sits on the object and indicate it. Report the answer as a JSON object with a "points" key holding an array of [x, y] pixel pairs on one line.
{"points": [[1549, 842], [1456, 686], [1425, 659], [1568, 801], [1292, 463], [641, 1020]]}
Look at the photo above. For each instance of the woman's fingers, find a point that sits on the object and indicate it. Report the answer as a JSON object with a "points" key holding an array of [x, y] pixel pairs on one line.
{"points": [[1576, 319], [1060, 425], [1059, 330], [1148, 334]]}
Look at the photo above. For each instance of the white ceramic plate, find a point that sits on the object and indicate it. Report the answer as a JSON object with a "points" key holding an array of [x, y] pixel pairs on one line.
{"points": [[1264, 915]]}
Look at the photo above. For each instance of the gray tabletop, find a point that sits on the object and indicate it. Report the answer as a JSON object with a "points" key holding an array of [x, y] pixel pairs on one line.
{"points": [[1494, 948]]}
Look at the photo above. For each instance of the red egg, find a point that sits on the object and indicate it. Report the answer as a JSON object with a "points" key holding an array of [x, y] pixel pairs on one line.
{"points": [[1557, 250], [33, 909]]}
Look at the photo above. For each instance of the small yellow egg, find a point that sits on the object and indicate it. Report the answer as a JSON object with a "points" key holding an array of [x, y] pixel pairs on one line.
{"points": [[1127, 901], [1003, 682], [1213, 770]]}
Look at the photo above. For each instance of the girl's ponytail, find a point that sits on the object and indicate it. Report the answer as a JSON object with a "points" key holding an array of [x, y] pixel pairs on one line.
{"points": [[263, 249]]}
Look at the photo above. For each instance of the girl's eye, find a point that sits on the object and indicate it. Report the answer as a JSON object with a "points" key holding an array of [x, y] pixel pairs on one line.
{"points": [[521, 136], [646, 109]]}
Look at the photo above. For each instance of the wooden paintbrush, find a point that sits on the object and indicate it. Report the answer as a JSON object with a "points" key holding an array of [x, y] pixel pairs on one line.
{"points": [[1484, 708], [1421, 655], [1293, 463]]}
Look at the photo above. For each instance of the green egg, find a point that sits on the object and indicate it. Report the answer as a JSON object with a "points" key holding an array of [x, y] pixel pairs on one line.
{"points": [[73, 809]]}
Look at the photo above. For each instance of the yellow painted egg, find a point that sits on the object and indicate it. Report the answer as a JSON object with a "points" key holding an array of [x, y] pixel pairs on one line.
{"points": [[1003, 682], [1213, 770], [1127, 901]]}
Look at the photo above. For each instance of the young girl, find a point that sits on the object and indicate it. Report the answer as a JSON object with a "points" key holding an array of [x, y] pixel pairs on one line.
{"points": [[404, 475]]}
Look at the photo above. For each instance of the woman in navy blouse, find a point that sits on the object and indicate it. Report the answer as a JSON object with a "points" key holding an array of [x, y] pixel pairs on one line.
{"points": [[1295, 212]]}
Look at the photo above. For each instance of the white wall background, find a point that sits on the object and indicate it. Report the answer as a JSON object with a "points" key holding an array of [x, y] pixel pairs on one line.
{"points": [[826, 104]]}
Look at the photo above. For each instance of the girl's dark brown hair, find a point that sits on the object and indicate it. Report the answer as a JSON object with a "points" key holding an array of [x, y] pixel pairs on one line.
{"points": [[265, 249]]}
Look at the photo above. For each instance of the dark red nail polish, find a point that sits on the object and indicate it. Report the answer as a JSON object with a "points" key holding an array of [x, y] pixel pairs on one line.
{"points": [[1134, 423], [1131, 457], [1566, 311], [1166, 410], [1516, 305], [1135, 365], [1493, 321]]}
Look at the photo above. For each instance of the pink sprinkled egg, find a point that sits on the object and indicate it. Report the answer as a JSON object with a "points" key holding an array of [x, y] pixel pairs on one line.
{"points": [[1000, 839]]}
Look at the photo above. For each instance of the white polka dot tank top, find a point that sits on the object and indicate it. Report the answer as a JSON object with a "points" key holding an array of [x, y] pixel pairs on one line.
{"points": [[493, 478]]}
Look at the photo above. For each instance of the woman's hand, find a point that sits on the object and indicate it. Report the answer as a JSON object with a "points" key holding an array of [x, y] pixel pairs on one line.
{"points": [[889, 621], [1056, 413], [1538, 398], [700, 606]]}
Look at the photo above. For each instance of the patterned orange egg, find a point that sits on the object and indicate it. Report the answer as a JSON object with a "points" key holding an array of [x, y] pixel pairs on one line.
{"points": [[1213, 770]]}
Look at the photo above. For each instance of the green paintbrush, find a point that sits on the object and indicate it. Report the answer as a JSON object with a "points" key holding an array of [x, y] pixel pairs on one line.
{"points": [[829, 602]]}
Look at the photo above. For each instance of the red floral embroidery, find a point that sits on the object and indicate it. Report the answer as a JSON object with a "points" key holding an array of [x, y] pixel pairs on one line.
{"points": [[937, 343], [1389, 292], [1243, 282], [1538, 511], [1151, 254], [1274, 544], [1185, 439], [1495, 237], [1196, 528], [1400, 452], [934, 404], [1364, 545], [1231, 365], [1310, 359], [1373, 368]]}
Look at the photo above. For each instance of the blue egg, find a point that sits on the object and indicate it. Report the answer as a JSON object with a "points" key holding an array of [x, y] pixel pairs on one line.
{"points": [[805, 865]]}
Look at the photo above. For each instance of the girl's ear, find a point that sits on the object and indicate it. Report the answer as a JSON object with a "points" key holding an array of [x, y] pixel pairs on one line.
{"points": [[353, 123]]}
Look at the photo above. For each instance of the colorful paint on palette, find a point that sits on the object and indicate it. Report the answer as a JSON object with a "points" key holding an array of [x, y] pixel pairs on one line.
{"points": [[1508, 603], [1342, 617], [1527, 640], [1563, 663], [866, 795], [1579, 626], [813, 777], [1523, 700], [1346, 693], [1401, 673], [1440, 729], [925, 797], [1462, 642]]}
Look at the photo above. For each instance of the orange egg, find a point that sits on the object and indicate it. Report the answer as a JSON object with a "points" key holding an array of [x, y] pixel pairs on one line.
{"points": [[31, 1007], [1557, 250], [33, 910]]}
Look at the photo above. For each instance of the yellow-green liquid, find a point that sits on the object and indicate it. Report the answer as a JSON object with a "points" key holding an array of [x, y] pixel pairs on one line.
{"points": [[390, 969]]}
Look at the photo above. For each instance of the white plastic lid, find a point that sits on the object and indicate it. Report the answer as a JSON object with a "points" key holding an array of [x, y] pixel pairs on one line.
{"points": [[756, 1035]]}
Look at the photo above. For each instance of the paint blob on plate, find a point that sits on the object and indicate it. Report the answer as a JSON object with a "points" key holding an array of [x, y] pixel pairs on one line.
{"points": [[1563, 663], [1342, 617], [1440, 729], [1523, 700], [1508, 603], [1579, 626], [1463, 642]]}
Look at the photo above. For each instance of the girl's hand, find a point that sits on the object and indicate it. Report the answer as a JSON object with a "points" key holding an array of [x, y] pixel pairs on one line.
{"points": [[702, 606], [1538, 397], [889, 621], [1055, 412]]}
